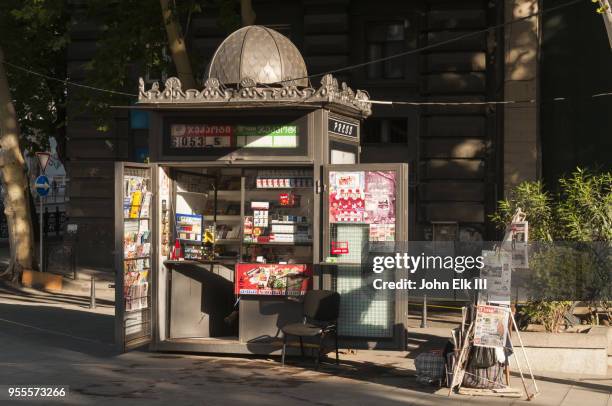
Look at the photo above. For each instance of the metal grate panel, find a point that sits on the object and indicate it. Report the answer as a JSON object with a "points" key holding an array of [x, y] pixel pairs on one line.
{"points": [[363, 312]]}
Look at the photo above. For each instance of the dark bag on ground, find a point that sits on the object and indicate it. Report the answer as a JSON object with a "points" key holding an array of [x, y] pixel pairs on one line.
{"points": [[484, 378], [482, 357]]}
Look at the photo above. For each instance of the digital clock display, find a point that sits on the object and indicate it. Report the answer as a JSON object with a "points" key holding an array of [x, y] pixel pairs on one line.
{"points": [[196, 136]]}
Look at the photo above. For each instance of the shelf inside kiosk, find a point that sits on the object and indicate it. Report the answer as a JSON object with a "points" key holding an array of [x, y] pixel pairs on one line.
{"points": [[204, 250], [278, 208], [210, 201], [228, 223]]}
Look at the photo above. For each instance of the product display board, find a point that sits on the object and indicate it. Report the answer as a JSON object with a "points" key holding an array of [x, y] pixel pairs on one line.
{"points": [[272, 279], [491, 326], [267, 136], [518, 236], [189, 227], [365, 198], [136, 221], [203, 135], [498, 273]]}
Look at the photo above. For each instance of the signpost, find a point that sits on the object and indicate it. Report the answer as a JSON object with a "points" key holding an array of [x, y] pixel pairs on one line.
{"points": [[43, 160], [41, 185]]}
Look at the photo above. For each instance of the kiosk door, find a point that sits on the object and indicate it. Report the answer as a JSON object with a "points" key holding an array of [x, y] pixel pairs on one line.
{"points": [[365, 213], [134, 253]]}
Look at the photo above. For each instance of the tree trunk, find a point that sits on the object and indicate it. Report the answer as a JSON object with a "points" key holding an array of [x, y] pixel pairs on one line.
{"points": [[247, 13], [177, 46], [606, 13], [15, 187]]}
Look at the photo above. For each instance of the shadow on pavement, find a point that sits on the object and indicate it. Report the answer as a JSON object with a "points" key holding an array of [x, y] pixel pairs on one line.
{"points": [[420, 343], [50, 326], [14, 293], [574, 382]]}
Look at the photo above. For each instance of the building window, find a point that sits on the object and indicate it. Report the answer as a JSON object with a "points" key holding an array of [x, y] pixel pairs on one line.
{"points": [[284, 29], [383, 130], [383, 40]]}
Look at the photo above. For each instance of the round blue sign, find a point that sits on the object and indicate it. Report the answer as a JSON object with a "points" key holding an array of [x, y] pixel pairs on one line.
{"points": [[41, 184]]}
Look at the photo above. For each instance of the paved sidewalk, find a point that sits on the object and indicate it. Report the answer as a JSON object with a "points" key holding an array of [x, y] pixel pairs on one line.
{"points": [[71, 286], [56, 339]]}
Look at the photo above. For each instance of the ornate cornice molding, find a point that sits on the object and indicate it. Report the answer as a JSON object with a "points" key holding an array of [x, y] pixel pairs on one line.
{"points": [[250, 92]]}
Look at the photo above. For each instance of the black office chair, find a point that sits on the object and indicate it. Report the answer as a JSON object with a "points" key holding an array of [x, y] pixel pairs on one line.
{"points": [[321, 308]]}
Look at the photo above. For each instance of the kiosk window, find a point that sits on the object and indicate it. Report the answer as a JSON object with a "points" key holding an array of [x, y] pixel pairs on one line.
{"points": [[385, 131], [342, 157], [383, 40]]}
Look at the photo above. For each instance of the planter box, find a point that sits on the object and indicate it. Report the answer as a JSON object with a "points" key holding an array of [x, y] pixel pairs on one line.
{"points": [[41, 280], [571, 353]]}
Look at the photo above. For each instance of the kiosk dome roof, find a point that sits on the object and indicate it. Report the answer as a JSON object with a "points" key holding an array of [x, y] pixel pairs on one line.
{"points": [[260, 54]]}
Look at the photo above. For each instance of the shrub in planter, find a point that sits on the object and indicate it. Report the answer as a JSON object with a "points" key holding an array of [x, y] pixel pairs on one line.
{"points": [[577, 266]]}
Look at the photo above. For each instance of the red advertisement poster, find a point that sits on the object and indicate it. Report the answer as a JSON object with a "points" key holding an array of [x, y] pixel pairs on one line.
{"points": [[346, 197], [380, 197], [272, 279], [339, 247]]}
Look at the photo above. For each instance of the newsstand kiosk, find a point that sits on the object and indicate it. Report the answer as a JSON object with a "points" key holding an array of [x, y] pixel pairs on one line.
{"points": [[251, 191]]}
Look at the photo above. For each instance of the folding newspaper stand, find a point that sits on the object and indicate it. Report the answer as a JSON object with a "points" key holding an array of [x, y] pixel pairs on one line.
{"points": [[229, 225]]}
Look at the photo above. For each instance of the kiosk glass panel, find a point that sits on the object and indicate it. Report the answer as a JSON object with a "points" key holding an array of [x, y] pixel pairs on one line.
{"points": [[362, 206], [134, 219]]}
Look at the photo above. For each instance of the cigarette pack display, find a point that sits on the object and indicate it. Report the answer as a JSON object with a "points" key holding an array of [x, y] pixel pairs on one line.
{"points": [[278, 237], [192, 251], [283, 178], [260, 205], [260, 218], [189, 227], [289, 228], [288, 219], [289, 200], [283, 183], [248, 225]]}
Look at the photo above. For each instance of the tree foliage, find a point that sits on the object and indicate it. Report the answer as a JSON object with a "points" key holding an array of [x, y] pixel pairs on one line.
{"points": [[138, 45], [34, 35], [579, 219], [132, 42], [581, 211], [584, 207], [536, 202]]}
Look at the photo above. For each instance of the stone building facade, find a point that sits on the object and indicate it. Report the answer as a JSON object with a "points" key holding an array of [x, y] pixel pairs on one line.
{"points": [[462, 157]]}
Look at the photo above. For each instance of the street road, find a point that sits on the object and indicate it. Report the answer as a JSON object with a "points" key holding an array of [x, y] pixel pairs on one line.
{"points": [[56, 340]]}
